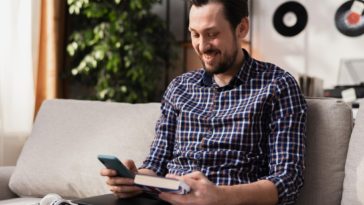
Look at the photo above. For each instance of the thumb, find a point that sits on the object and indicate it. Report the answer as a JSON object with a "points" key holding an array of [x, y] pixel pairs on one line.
{"points": [[130, 165], [191, 182]]}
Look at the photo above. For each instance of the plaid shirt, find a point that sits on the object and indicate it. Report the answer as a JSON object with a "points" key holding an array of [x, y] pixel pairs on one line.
{"points": [[249, 130]]}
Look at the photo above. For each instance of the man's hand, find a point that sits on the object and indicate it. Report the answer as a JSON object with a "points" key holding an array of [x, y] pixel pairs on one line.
{"points": [[203, 191], [120, 186]]}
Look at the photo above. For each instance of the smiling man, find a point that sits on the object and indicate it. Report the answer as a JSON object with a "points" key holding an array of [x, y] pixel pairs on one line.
{"points": [[234, 131]]}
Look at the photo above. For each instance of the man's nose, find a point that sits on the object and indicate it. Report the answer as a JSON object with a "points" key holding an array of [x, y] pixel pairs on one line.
{"points": [[205, 45]]}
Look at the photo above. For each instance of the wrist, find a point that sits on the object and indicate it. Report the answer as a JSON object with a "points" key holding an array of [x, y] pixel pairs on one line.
{"points": [[232, 195], [221, 195]]}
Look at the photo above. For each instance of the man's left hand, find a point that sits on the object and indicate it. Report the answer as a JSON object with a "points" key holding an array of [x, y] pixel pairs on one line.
{"points": [[203, 191]]}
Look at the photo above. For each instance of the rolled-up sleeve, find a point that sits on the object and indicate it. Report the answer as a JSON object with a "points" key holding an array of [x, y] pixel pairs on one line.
{"points": [[287, 139]]}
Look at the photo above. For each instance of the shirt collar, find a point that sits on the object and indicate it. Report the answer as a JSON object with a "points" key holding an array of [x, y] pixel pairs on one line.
{"points": [[241, 77]]}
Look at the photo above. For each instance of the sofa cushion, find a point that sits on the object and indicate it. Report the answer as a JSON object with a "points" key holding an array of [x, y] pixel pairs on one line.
{"points": [[5, 192], [21, 201], [60, 156], [329, 125], [353, 193]]}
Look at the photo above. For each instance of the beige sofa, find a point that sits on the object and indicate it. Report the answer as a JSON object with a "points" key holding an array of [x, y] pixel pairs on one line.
{"points": [[60, 154]]}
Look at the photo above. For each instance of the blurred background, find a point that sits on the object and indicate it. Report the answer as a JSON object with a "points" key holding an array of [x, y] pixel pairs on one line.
{"points": [[129, 50]]}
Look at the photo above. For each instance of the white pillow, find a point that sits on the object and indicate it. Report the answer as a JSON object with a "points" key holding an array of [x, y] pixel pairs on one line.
{"points": [[60, 156]]}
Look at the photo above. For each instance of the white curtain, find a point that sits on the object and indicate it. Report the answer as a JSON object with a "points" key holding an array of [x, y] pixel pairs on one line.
{"points": [[18, 62]]}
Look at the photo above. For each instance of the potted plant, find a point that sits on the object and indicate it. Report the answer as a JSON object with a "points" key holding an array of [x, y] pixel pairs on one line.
{"points": [[118, 48]]}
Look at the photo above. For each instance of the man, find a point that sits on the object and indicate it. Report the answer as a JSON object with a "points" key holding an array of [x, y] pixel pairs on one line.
{"points": [[233, 131]]}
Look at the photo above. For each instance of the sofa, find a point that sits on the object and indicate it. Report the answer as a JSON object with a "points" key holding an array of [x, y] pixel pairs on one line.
{"points": [[60, 155]]}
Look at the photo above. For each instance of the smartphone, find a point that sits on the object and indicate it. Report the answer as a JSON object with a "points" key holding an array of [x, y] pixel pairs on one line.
{"points": [[112, 162]]}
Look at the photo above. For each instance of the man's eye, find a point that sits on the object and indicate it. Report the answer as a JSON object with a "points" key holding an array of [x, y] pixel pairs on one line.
{"points": [[195, 35], [212, 34]]}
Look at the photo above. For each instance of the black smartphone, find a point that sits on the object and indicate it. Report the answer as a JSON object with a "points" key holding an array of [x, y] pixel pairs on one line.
{"points": [[112, 162]]}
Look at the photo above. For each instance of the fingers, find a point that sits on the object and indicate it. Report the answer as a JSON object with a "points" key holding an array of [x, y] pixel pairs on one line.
{"points": [[172, 176], [113, 180], [119, 181], [196, 175], [123, 187], [191, 182], [130, 165], [108, 172], [195, 180], [111, 173], [120, 186], [202, 191], [126, 193]]}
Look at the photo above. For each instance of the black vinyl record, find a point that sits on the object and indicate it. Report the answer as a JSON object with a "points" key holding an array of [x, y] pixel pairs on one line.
{"points": [[342, 24], [299, 12]]}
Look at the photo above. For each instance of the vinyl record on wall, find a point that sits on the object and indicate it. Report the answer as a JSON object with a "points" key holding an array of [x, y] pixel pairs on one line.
{"points": [[290, 18], [349, 18]]}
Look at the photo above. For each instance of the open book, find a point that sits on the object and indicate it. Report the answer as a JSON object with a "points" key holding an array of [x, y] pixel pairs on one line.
{"points": [[157, 184]]}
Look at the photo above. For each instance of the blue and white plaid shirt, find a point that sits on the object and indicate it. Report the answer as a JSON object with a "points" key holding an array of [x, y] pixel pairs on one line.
{"points": [[249, 130]]}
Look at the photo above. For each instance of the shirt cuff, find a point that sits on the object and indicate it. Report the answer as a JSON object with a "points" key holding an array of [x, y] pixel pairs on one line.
{"points": [[278, 182]]}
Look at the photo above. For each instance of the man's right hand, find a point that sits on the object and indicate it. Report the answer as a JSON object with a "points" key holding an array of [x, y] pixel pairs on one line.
{"points": [[120, 186]]}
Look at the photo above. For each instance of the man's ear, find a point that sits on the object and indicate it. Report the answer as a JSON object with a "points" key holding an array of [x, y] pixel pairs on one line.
{"points": [[243, 28]]}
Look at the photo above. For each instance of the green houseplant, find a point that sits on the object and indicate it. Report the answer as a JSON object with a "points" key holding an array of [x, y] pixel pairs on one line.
{"points": [[119, 48]]}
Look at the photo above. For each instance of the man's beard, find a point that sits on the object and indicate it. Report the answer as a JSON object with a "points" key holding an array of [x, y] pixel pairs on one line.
{"points": [[225, 64]]}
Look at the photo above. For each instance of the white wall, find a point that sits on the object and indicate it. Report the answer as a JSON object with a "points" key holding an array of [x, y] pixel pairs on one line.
{"points": [[325, 47]]}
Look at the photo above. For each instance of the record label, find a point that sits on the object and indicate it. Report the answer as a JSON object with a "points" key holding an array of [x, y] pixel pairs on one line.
{"points": [[349, 18], [290, 18]]}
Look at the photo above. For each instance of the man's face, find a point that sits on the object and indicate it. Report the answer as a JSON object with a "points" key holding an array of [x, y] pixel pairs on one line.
{"points": [[212, 38]]}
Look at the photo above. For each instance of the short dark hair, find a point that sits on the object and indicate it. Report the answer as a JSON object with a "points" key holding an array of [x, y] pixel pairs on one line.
{"points": [[234, 10]]}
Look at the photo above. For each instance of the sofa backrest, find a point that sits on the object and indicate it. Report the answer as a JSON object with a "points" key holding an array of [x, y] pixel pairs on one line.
{"points": [[329, 126], [60, 156], [353, 191]]}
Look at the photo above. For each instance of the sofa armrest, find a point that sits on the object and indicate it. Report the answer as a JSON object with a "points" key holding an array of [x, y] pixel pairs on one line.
{"points": [[5, 174]]}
